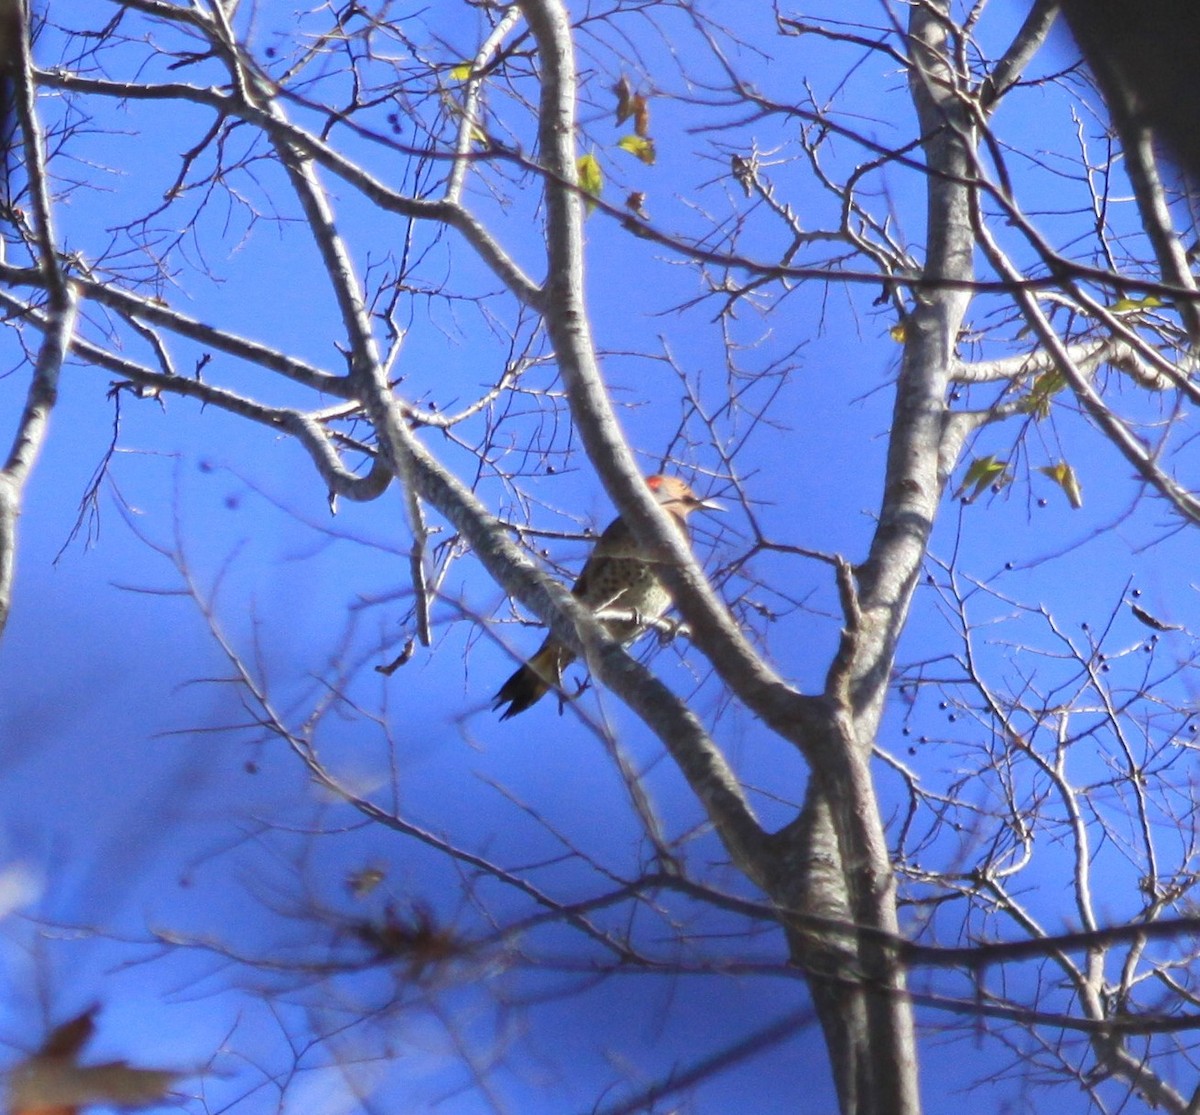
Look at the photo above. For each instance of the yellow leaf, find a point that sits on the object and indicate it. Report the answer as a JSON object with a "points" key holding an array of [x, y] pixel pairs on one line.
{"points": [[898, 332], [1124, 305], [1064, 476], [982, 473], [461, 72], [591, 180], [638, 146]]}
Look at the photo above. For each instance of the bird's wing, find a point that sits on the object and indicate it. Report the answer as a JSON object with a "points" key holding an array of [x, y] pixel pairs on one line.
{"points": [[615, 539]]}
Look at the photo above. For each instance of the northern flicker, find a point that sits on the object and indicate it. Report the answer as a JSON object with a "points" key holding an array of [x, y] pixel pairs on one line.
{"points": [[616, 576]]}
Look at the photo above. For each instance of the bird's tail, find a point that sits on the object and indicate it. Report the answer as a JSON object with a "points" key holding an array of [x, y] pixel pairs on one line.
{"points": [[532, 681]]}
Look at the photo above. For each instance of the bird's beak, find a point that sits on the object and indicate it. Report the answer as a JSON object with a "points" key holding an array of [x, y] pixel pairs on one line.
{"points": [[710, 505]]}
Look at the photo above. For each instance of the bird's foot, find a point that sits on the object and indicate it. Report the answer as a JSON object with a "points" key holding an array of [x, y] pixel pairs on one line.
{"points": [[667, 629], [564, 698]]}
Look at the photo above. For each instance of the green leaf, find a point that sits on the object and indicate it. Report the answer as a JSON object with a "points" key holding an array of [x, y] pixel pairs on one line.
{"points": [[638, 146], [591, 180], [1064, 476], [462, 72], [1045, 387], [982, 473]]}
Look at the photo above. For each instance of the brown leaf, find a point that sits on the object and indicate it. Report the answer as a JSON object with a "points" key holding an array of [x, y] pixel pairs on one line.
{"points": [[624, 92], [69, 1039], [640, 110], [1145, 617], [53, 1082], [743, 172], [43, 1084], [362, 882], [414, 939], [636, 202]]}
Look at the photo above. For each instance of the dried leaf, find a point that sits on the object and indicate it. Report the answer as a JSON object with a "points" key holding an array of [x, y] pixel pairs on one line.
{"points": [[642, 148], [744, 171], [402, 659], [58, 1082], [461, 72], [415, 939], [69, 1039], [641, 115], [636, 203], [898, 332], [1150, 621], [53, 1082], [624, 92], [360, 883]]}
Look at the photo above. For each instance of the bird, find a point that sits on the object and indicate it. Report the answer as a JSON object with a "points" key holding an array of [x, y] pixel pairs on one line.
{"points": [[616, 576]]}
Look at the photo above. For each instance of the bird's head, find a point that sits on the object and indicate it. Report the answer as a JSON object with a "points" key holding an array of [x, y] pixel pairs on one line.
{"points": [[676, 496]]}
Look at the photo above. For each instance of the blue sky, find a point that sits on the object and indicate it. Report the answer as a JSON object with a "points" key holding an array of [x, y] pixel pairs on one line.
{"points": [[139, 798]]}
